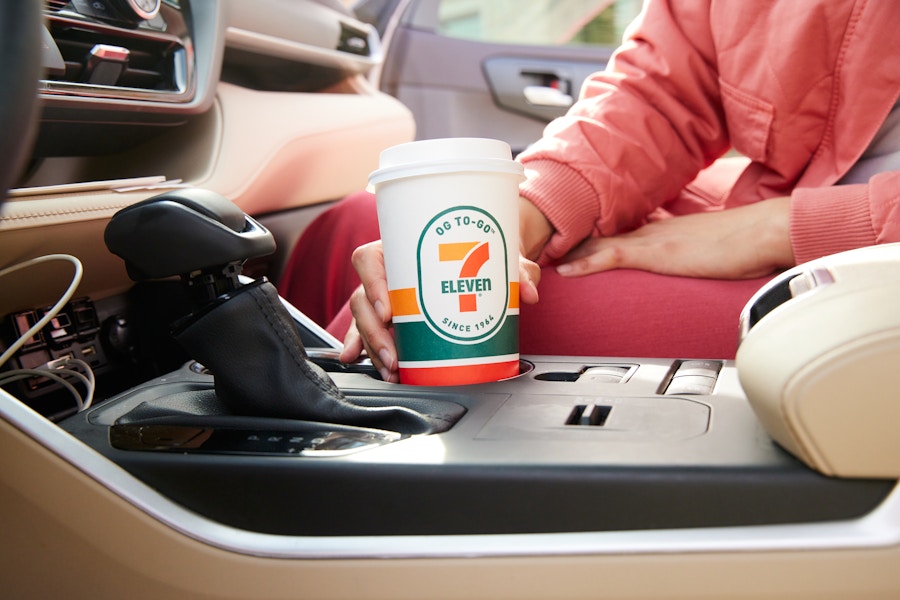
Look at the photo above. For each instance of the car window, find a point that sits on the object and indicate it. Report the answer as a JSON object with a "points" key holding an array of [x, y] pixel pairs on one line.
{"points": [[538, 22]]}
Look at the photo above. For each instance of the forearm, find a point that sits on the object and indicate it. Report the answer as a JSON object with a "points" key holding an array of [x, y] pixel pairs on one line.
{"points": [[739, 243]]}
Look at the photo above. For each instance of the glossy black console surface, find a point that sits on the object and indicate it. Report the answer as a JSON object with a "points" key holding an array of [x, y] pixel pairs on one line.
{"points": [[574, 444]]}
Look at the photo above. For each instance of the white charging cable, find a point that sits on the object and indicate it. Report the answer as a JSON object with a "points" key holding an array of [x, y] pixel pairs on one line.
{"points": [[57, 370]]}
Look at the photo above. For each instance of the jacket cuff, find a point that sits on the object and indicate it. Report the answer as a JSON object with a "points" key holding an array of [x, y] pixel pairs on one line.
{"points": [[828, 220], [566, 199]]}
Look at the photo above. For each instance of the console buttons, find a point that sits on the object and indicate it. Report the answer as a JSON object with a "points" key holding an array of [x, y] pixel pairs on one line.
{"points": [[604, 374], [694, 378], [693, 385], [705, 368]]}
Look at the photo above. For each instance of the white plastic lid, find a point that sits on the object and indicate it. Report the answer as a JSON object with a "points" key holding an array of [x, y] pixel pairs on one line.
{"points": [[445, 155]]}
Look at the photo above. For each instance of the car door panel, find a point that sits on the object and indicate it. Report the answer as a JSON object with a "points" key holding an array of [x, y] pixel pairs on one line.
{"points": [[460, 87], [539, 88]]}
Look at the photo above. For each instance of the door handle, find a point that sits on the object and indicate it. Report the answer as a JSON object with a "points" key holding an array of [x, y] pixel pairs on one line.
{"points": [[542, 95]]}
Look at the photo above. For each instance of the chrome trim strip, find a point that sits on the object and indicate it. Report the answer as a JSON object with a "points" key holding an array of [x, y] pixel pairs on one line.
{"points": [[61, 89], [880, 528]]}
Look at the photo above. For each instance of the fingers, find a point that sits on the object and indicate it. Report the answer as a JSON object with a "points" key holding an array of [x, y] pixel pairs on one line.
{"points": [[368, 260], [371, 308], [368, 332], [590, 257], [529, 278]]}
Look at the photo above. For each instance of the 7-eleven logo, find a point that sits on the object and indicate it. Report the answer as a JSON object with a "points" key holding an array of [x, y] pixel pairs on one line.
{"points": [[463, 283], [473, 255]]}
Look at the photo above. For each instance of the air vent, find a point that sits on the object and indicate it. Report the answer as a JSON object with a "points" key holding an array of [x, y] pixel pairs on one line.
{"points": [[150, 64], [117, 62]]}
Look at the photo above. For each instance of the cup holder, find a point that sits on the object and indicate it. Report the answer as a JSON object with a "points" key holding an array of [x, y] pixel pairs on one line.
{"points": [[329, 360], [525, 367]]}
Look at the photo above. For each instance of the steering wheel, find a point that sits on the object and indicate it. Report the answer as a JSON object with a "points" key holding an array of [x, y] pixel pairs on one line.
{"points": [[20, 69]]}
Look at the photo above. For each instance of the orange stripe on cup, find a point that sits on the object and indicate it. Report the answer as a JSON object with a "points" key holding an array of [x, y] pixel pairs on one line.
{"points": [[513, 294], [404, 302], [460, 374]]}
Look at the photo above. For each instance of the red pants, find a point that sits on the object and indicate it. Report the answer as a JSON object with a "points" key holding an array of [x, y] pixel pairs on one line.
{"points": [[614, 313]]}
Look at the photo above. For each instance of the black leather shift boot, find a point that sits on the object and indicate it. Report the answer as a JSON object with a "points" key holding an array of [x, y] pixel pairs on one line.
{"points": [[260, 367]]}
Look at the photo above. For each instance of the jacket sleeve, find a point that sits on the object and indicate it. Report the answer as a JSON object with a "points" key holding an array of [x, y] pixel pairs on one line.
{"points": [[639, 133], [827, 220]]}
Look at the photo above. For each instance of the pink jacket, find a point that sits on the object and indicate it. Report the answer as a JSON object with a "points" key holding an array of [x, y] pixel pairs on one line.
{"points": [[798, 87]]}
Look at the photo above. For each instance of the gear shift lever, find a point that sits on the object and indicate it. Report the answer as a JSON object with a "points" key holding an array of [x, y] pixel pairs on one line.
{"points": [[241, 333]]}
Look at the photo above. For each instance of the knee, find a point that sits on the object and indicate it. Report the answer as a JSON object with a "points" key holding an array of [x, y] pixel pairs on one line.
{"points": [[353, 220], [360, 204]]}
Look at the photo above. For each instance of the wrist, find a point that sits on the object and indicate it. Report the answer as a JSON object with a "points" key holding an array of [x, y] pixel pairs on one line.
{"points": [[534, 230], [777, 232]]}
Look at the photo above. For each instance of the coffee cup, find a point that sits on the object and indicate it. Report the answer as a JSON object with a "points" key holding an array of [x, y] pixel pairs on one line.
{"points": [[448, 214]]}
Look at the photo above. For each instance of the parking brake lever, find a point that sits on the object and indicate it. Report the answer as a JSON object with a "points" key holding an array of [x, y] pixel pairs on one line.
{"points": [[242, 333]]}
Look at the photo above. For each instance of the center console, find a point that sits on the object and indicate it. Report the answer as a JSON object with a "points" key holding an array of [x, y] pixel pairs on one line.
{"points": [[572, 444]]}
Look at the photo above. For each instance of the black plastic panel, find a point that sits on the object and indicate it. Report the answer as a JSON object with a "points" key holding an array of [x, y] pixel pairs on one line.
{"points": [[291, 496]]}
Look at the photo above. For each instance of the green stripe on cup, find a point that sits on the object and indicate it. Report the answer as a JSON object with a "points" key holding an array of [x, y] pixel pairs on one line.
{"points": [[416, 341]]}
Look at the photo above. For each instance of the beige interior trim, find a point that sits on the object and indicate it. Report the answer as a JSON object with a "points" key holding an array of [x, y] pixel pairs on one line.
{"points": [[841, 415], [59, 209], [819, 369], [282, 150]]}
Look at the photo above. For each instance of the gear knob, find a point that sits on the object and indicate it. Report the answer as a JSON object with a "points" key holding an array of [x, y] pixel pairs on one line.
{"points": [[194, 233]]}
